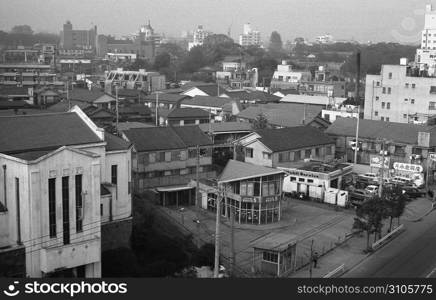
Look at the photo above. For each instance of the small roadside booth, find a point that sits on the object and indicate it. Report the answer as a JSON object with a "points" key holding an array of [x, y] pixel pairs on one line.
{"points": [[183, 195], [275, 254]]}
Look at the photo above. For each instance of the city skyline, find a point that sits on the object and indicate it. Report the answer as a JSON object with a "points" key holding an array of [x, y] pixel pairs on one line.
{"points": [[292, 18]]}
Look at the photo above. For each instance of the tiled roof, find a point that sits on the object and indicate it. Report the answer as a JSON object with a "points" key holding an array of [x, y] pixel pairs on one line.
{"points": [[123, 126], [252, 96], [13, 90], [371, 129], [207, 101], [285, 115], [85, 94], [139, 109], [188, 112], [293, 138], [130, 93], [166, 138], [227, 127], [115, 143], [43, 132], [191, 84], [63, 105], [13, 104], [237, 170], [168, 98], [314, 100]]}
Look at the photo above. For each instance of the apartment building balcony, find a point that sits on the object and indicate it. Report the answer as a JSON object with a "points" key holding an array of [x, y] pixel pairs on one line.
{"points": [[70, 256], [144, 183]]}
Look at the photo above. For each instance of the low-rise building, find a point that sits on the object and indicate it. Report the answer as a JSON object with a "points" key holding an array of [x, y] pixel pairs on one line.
{"points": [[286, 78], [287, 147], [188, 116], [404, 143], [167, 157], [146, 81], [285, 115], [252, 193], [215, 105]]}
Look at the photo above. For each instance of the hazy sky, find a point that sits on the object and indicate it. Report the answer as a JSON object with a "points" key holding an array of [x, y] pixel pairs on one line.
{"points": [[363, 20]]}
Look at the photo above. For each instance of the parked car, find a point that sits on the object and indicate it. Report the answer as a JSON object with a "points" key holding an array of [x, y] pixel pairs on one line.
{"points": [[401, 181], [373, 189], [413, 192], [358, 196], [368, 177]]}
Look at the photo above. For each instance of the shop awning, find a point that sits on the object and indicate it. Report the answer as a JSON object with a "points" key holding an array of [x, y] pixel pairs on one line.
{"points": [[174, 188]]}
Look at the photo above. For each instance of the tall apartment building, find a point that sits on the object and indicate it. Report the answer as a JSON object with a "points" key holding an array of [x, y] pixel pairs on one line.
{"points": [[249, 37], [406, 93], [426, 55], [78, 39]]}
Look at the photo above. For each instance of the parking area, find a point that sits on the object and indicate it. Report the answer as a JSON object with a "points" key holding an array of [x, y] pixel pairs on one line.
{"points": [[325, 226]]}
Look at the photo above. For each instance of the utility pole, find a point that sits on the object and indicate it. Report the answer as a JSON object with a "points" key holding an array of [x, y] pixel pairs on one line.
{"points": [[357, 135], [217, 234], [311, 259], [380, 189], [157, 107], [116, 105], [68, 95], [197, 176], [232, 240]]}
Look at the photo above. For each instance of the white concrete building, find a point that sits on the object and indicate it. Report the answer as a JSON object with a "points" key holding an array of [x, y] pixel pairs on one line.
{"points": [[198, 37], [285, 77], [399, 95], [250, 37], [426, 55], [54, 170]]}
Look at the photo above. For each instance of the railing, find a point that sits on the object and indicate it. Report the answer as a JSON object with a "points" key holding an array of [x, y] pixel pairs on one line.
{"points": [[332, 274], [384, 239]]}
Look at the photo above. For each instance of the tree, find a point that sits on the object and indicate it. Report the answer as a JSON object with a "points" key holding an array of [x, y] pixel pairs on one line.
{"points": [[261, 122], [162, 60], [275, 44], [396, 203], [22, 29], [369, 217], [195, 60], [139, 64]]}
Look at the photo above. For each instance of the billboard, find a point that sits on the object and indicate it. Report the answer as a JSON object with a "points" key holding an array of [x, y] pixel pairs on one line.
{"points": [[375, 161]]}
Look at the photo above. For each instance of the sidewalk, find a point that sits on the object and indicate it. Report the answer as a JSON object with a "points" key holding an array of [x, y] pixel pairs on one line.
{"points": [[351, 252]]}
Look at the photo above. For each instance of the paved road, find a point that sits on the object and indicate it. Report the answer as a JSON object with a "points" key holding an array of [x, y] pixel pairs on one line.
{"points": [[411, 254]]}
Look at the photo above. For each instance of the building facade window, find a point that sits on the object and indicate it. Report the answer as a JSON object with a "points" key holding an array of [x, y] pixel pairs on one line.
{"points": [[114, 175], [249, 152], [412, 101], [266, 155], [405, 116], [382, 118], [413, 85], [388, 105], [79, 204], [66, 210], [270, 257], [389, 90], [432, 105], [383, 104], [52, 206], [377, 98], [384, 90], [390, 75], [376, 113], [407, 85]]}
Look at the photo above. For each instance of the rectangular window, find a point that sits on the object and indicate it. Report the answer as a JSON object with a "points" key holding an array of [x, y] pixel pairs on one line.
{"points": [[407, 85], [377, 98], [433, 89], [384, 90], [388, 105], [413, 85], [114, 175], [383, 104], [307, 153], [301, 180], [376, 113], [432, 106], [387, 119], [270, 257], [405, 99], [412, 101], [266, 155], [79, 204], [52, 206], [65, 210], [389, 90], [390, 75], [249, 152], [378, 83], [293, 179], [405, 116], [101, 209], [382, 118]]}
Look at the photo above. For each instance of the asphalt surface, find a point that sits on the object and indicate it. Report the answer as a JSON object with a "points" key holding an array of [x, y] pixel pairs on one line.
{"points": [[411, 254]]}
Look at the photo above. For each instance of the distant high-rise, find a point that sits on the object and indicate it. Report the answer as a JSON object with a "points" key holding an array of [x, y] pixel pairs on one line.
{"points": [[78, 39], [426, 55], [249, 37], [199, 36]]}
